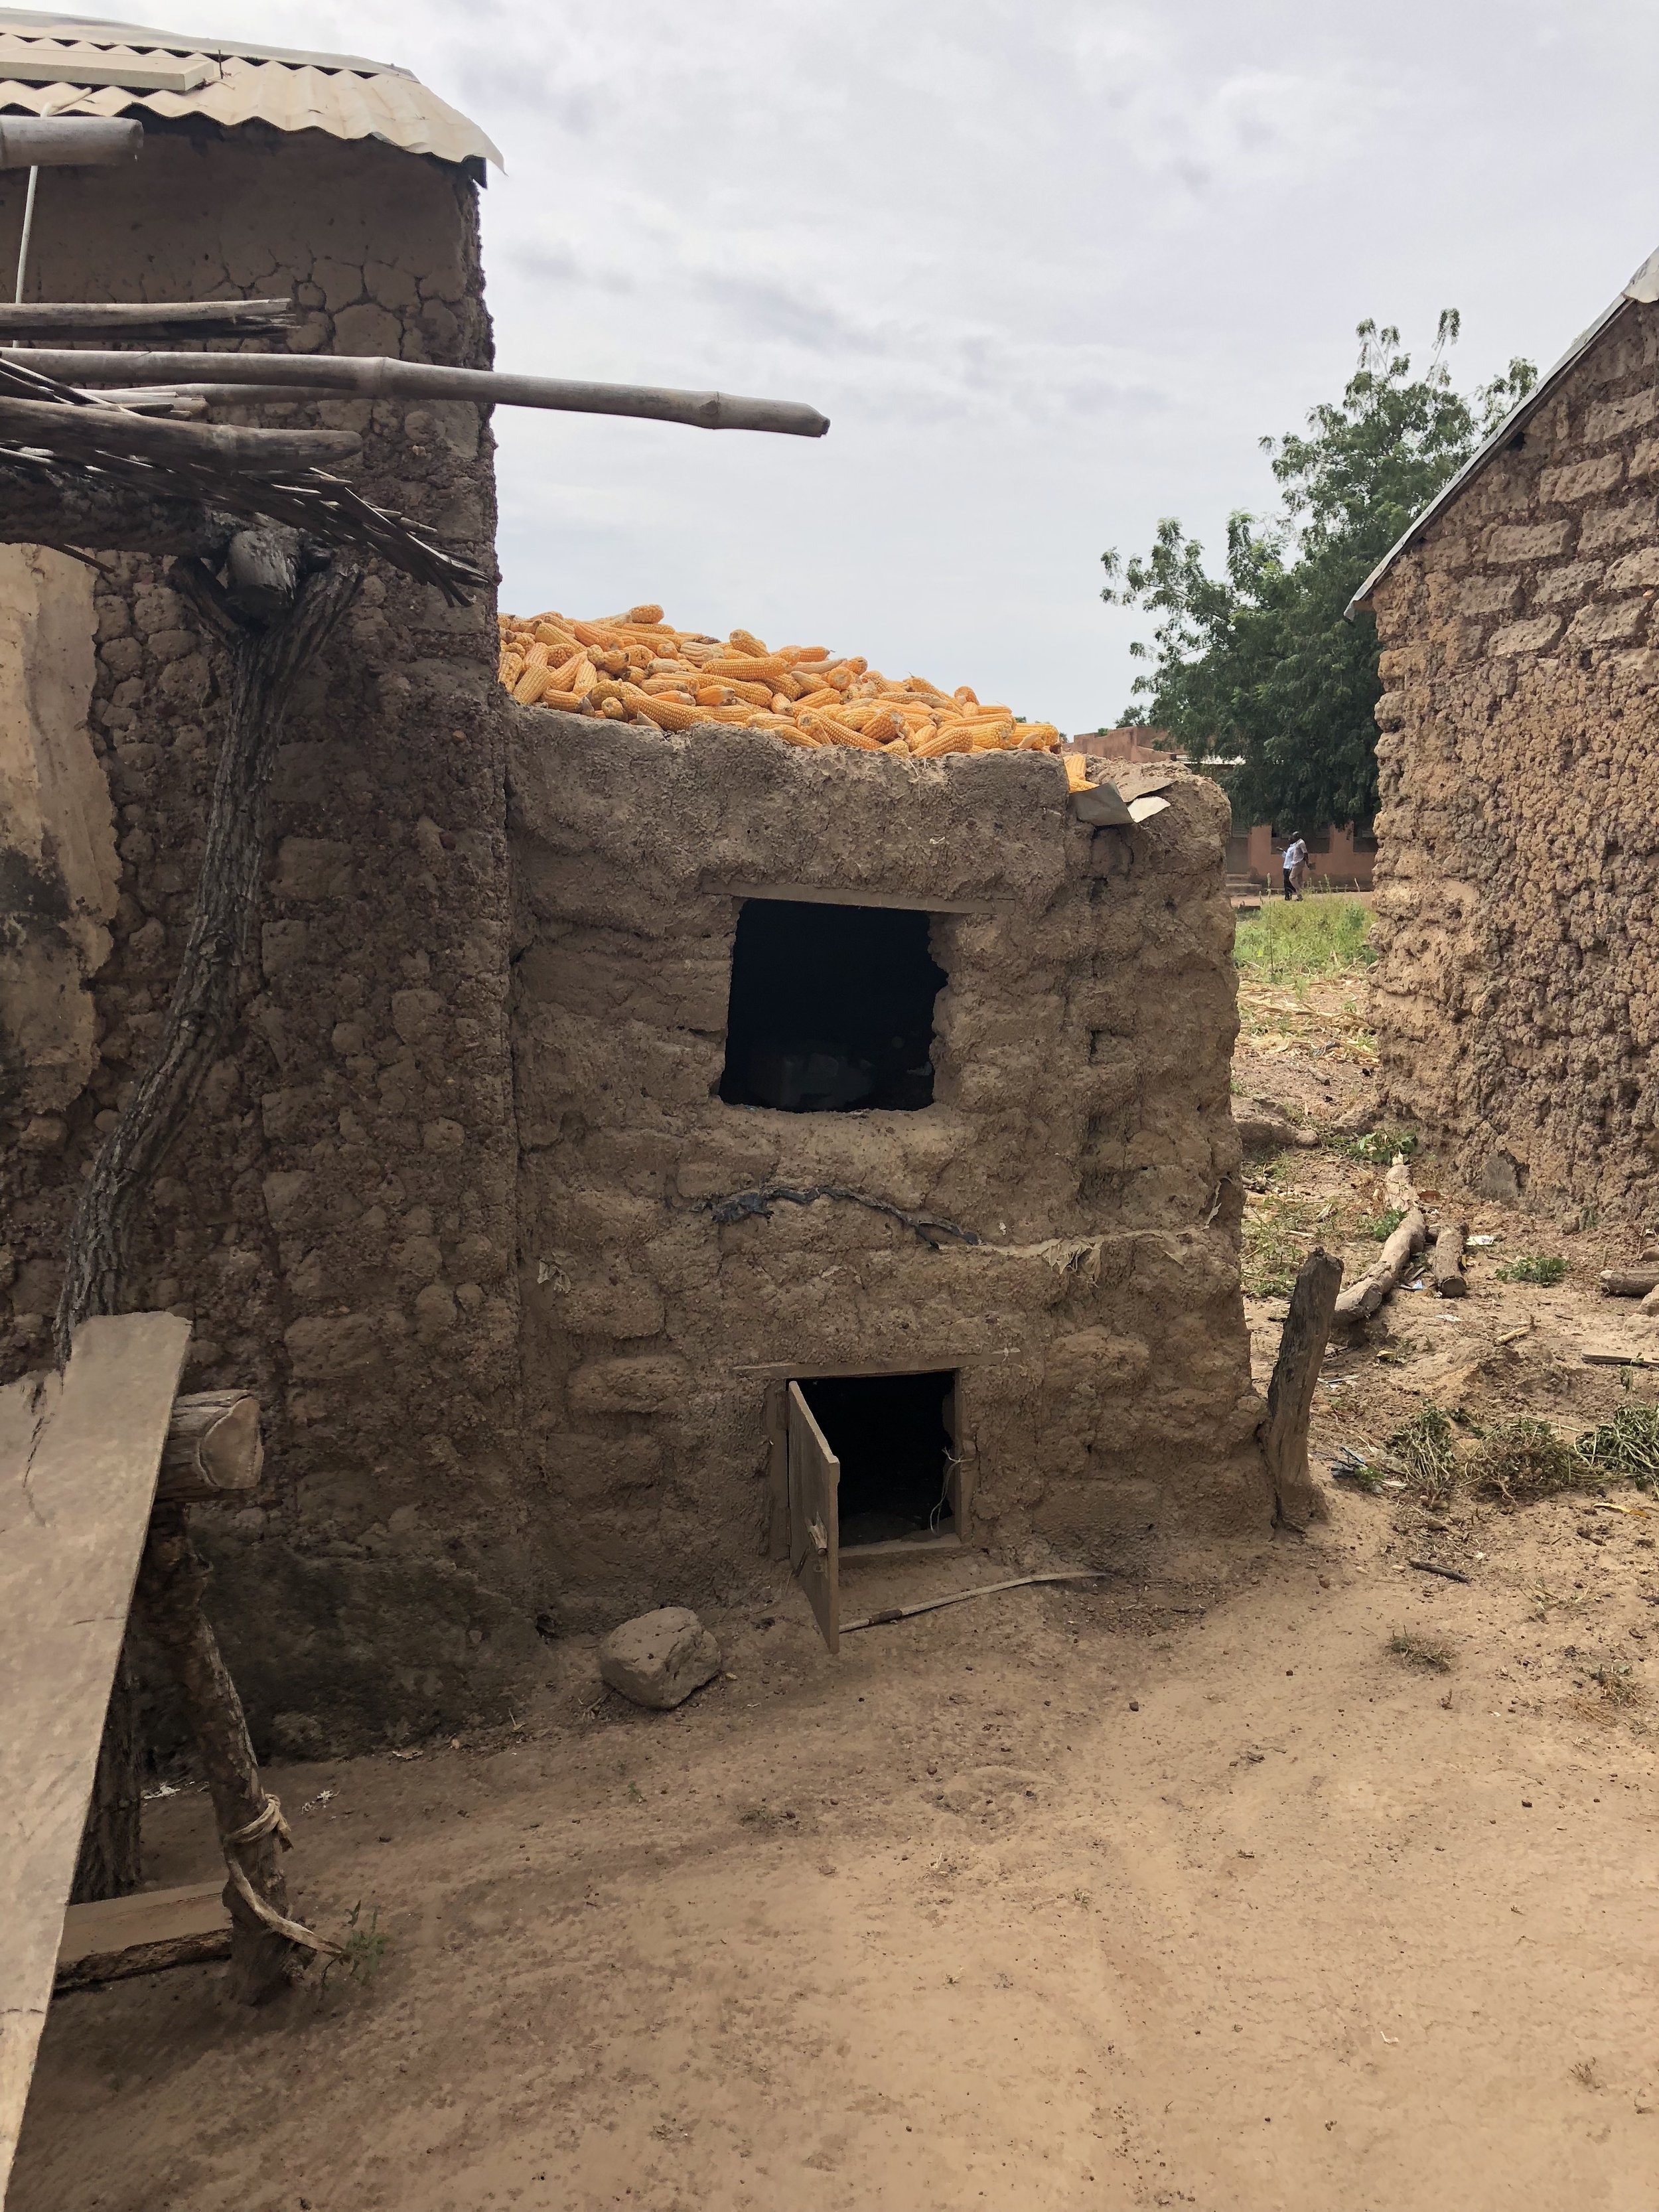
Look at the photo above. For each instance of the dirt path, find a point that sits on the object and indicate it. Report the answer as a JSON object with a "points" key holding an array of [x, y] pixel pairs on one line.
{"points": [[1128, 1896], [953, 1921]]}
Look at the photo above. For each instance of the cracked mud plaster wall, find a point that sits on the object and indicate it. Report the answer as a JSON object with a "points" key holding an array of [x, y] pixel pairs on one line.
{"points": [[337, 1219], [1083, 1046], [58, 867], [1517, 996]]}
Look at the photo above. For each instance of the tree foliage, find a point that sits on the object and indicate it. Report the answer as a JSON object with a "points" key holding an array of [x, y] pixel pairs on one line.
{"points": [[1257, 665]]}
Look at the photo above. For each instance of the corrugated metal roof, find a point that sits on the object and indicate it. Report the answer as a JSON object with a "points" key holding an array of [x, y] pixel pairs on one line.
{"points": [[1643, 289], [71, 65]]}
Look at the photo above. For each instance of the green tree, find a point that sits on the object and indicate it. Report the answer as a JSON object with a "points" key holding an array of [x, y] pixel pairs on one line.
{"points": [[1257, 665]]}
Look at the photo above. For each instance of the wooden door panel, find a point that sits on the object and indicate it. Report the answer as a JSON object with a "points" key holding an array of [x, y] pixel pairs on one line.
{"points": [[814, 1517]]}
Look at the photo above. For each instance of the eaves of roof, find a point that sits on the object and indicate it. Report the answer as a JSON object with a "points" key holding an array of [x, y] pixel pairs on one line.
{"points": [[74, 65], [1643, 289]]}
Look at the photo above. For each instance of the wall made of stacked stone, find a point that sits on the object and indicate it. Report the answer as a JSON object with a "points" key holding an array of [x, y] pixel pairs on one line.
{"points": [[337, 1218], [1081, 1130], [1516, 995]]}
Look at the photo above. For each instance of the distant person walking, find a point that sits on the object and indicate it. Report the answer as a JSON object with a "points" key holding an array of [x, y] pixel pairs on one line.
{"points": [[1296, 862]]}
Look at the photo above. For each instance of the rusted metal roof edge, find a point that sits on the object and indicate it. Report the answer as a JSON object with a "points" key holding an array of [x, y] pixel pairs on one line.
{"points": [[98, 31], [1643, 288]]}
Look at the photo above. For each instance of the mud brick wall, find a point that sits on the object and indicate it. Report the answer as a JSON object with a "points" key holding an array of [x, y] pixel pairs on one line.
{"points": [[337, 1221], [1083, 1043], [1516, 996]]}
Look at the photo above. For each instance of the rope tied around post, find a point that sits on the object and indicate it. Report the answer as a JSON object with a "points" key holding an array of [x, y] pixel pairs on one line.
{"points": [[268, 1821]]}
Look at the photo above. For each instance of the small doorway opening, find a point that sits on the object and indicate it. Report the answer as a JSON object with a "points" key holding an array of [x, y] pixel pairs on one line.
{"points": [[895, 1437], [831, 1009]]}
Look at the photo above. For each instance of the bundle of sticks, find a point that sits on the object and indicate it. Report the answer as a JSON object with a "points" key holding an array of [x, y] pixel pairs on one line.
{"points": [[79, 470]]}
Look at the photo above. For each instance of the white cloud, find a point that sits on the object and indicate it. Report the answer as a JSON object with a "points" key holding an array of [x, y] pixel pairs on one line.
{"points": [[1051, 268]]}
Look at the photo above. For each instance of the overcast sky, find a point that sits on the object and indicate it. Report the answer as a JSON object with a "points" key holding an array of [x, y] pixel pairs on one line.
{"points": [[1050, 268]]}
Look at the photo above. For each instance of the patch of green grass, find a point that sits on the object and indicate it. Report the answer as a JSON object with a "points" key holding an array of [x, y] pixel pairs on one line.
{"points": [[1382, 1225], [363, 1947], [1522, 1460], [1377, 1147], [1626, 1445], [1278, 1234], [1288, 940], [1544, 1269], [1421, 1454], [1427, 1651]]}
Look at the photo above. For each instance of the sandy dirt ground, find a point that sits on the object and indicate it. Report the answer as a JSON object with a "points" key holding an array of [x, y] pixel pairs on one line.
{"points": [[1188, 1894]]}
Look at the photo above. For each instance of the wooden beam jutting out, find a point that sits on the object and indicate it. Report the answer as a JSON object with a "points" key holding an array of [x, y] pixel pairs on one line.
{"points": [[126, 318], [371, 377]]}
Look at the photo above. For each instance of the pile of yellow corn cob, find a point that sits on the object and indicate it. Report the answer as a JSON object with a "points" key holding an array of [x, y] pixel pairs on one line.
{"points": [[635, 667]]}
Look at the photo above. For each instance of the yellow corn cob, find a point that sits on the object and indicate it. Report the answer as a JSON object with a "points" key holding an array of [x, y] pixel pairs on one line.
{"points": [[1077, 772], [667, 713], [636, 665], [749, 668], [954, 739]]}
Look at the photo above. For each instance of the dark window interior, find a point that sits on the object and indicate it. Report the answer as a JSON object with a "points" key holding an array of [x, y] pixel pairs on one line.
{"points": [[1319, 840], [831, 1009], [1364, 837], [889, 1433]]}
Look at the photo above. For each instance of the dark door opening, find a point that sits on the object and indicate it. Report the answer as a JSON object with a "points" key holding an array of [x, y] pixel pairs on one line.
{"points": [[831, 1009], [893, 1437]]}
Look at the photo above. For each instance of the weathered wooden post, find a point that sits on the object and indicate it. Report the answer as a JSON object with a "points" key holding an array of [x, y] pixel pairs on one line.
{"points": [[1297, 1499]]}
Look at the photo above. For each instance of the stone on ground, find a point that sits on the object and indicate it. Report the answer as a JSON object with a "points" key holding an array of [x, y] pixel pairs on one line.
{"points": [[659, 1658]]}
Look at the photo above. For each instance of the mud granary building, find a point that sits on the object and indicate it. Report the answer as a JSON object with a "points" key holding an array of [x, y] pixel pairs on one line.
{"points": [[552, 1146], [1517, 996]]}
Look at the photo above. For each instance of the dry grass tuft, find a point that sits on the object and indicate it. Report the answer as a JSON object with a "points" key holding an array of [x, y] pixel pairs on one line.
{"points": [[1427, 1651]]}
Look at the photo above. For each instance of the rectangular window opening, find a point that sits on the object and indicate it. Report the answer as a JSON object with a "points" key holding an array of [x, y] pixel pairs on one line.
{"points": [[893, 1436], [831, 1009]]}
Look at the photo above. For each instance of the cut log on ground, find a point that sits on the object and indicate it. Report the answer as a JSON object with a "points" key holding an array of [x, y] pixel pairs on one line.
{"points": [[1448, 1259], [142, 1935], [1297, 1499], [1267, 1132], [1363, 1300], [1628, 1282], [213, 1450]]}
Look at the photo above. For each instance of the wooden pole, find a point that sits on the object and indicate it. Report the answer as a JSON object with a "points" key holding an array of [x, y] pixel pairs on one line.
{"points": [[171, 1580], [372, 377], [1297, 1499], [97, 428], [196, 318]]}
